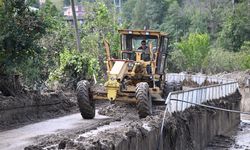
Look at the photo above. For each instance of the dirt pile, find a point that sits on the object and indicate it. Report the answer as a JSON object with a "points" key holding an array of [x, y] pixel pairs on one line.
{"points": [[240, 76], [119, 110], [243, 78], [32, 107]]}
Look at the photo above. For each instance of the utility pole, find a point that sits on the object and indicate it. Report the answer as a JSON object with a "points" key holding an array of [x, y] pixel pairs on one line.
{"points": [[233, 6], [118, 10], [78, 43]]}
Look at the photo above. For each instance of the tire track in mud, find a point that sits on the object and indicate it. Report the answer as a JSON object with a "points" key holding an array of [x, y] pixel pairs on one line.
{"points": [[68, 126], [124, 121]]}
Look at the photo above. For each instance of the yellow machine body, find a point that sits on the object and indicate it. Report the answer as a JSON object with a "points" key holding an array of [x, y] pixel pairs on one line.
{"points": [[130, 69]]}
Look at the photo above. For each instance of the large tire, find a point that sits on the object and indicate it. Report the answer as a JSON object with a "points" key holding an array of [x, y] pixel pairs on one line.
{"points": [[85, 100], [168, 87], [144, 104]]}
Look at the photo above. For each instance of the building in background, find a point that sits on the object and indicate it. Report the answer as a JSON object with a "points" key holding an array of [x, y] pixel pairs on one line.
{"points": [[67, 12], [41, 2]]}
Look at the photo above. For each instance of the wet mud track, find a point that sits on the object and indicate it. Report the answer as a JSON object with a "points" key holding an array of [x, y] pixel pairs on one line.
{"points": [[30, 134], [120, 119], [55, 132]]}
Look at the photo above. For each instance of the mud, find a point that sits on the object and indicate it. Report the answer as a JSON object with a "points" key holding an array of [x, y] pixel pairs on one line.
{"points": [[240, 76], [33, 107], [192, 129], [193, 84], [237, 139]]}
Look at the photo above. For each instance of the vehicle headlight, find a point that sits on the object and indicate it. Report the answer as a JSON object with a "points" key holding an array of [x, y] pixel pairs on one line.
{"points": [[130, 64]]}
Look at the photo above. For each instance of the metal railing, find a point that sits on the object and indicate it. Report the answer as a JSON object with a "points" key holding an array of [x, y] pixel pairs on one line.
{"points": [[199, 79], [200, 94]]}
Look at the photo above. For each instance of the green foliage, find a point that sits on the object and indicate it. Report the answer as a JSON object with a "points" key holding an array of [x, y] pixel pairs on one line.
{"points": [[176, 22], [198, 21], [245, 50], [39, 44], [59, 36], [236, 27], [219, 60], [74, 66], [100, 25], [20, 31], [195, 48], [177, 61], [145, 13], [127, 16]]}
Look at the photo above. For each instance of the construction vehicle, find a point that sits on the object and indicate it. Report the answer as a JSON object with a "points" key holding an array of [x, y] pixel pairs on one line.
{"points": [[137, 77]]}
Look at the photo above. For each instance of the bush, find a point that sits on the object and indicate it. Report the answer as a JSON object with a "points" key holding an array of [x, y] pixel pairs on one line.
{"points": [[219, 60], [189, 53], [74, 66], [193, 54]]}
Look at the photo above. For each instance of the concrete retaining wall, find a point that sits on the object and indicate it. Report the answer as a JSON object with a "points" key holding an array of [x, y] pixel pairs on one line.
{"points": [[197, 126], [188, 130]]}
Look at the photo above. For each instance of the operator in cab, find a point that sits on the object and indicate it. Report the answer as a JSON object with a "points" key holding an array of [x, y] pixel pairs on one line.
{"points": [[143, 46], [145, 51], [145, 55]]}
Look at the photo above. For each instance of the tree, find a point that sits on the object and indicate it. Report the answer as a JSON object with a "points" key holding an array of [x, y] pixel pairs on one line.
{"points": [[176, 23], [236, 27], [20, 30], [127, 16], [143, 13], [195, 48], [99, 24]]}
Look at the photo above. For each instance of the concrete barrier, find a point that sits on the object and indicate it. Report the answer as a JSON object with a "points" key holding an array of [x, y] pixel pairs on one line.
{"points": [[192, 129], [197, 126]]}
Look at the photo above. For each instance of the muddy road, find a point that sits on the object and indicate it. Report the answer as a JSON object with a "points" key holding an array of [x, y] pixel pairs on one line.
{"points": [[21, 137], [46, 133], [242, 135]]}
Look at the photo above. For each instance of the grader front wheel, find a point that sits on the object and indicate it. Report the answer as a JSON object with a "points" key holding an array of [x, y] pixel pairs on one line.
{"points": [[85, 100], [144, 104]]}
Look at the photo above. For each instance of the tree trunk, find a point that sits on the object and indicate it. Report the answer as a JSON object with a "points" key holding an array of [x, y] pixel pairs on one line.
{"points": [[10, 85]]}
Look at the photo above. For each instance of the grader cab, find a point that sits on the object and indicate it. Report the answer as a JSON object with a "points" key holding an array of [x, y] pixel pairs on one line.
{"points": [[138, 76]]}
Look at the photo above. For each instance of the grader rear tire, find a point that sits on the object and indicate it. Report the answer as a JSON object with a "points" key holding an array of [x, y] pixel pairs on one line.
{"points": [[168, 87], [85, 100], [144, 104], [178, 87]]}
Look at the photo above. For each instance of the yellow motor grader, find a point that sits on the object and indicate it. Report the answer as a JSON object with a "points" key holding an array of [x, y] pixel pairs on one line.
{"points": [[137, 77]]}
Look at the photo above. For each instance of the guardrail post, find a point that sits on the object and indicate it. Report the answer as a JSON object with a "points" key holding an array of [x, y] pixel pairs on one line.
{"points": [[205, 94], [192, 98], [182, 98], [201, 95]]}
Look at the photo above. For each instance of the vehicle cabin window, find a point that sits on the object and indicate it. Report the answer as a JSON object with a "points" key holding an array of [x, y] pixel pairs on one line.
{"points": [[132, 43]]}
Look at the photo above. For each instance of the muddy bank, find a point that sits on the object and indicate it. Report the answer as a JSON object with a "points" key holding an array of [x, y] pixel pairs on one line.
{"points": [[191, 129], [245, 103], [32, 107], [197, 126]]}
